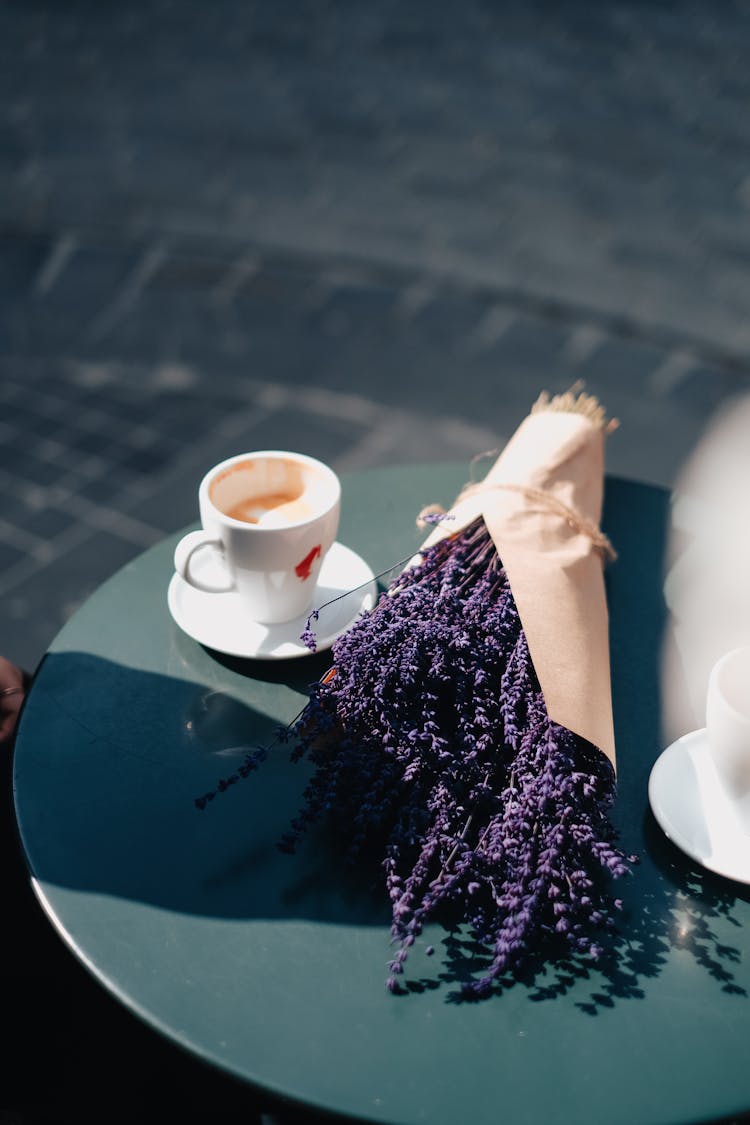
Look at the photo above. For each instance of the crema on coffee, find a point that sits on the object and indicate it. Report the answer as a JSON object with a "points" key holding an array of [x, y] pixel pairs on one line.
{"points": [[285, 507], [268, 492]]}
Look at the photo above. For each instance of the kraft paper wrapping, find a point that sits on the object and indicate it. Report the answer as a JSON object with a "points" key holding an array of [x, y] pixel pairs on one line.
{"points": [[542, 503]]}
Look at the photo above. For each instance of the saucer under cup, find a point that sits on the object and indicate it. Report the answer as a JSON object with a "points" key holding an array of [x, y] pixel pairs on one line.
{"points": [[221, 622], [692, 806]]}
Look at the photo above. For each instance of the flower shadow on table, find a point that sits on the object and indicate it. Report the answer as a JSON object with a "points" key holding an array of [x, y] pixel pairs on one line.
{"points": [[676, 906]]}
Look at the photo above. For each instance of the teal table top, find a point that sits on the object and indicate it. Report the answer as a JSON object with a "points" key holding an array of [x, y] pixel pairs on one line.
{"points": [[273, 967]]}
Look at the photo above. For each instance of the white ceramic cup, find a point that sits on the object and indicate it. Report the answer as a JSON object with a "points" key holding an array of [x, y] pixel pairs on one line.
{"points": [[728, 727], [269, 519]]}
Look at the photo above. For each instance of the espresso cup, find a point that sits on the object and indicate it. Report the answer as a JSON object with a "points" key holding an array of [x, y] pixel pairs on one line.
{"points": [[728, 728], [268, 520]]}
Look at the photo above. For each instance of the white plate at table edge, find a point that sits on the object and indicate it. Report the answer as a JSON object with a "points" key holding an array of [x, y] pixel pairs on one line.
{"points": [[220, 622], [693, 810]]}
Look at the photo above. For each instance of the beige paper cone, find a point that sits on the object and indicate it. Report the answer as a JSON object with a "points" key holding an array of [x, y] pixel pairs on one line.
{"points": [[542, 503]]}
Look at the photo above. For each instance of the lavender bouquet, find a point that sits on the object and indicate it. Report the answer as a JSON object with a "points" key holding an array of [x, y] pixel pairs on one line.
{"points": [[464, 732]]}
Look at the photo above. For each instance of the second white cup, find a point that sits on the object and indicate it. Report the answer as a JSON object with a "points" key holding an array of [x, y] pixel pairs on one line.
{"points": [[269, 519], [728, 728]]}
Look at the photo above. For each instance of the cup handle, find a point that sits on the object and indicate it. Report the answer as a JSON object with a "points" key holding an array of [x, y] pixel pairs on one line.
{"points": [[188, 546]]}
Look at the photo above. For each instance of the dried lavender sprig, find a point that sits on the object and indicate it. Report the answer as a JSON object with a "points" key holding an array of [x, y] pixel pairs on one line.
{"points": [[434, 721]]}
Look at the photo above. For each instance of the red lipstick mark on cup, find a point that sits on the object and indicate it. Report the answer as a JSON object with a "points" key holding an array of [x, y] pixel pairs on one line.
{"points": [[303, 569]]}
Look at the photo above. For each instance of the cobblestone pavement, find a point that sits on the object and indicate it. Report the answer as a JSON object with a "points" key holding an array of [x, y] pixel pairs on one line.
{"points": [[135, 368], [369, 231]]}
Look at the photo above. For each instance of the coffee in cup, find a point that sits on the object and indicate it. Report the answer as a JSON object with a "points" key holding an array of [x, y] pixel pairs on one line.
{"points": [[268, 520]]}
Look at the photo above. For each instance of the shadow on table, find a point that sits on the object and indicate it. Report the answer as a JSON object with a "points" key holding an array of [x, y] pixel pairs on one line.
{"points": [[110, 761], [107, 805]]}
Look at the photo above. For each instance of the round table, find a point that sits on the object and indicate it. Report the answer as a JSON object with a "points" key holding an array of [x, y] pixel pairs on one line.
{"points": [[273, 967]]}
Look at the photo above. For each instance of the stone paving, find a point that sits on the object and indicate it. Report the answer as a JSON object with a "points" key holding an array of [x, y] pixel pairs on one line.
{"points": [[369, 231], [127, 376]]}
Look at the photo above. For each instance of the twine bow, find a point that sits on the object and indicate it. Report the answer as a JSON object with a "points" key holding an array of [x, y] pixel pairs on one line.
{"points": [[573, 518]]}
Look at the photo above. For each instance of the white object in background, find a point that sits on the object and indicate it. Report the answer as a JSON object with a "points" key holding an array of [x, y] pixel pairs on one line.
{"points": [[728, 728], [692, 808], [699, 788]]}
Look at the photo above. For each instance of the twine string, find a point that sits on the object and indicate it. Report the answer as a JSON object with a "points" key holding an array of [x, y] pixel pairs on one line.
{"points": [[572, 516]]}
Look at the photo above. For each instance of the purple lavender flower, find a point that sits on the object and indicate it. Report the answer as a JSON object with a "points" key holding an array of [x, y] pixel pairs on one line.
{"points": [[432, 742], [434, 517], [307, 636]]}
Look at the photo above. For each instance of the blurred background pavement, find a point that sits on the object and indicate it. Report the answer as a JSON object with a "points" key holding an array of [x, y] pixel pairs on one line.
{"points": [[370, 231]]}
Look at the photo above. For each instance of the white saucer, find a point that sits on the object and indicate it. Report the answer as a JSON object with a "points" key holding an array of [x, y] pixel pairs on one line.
{"points": [[220, 622], [694, 811]]}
